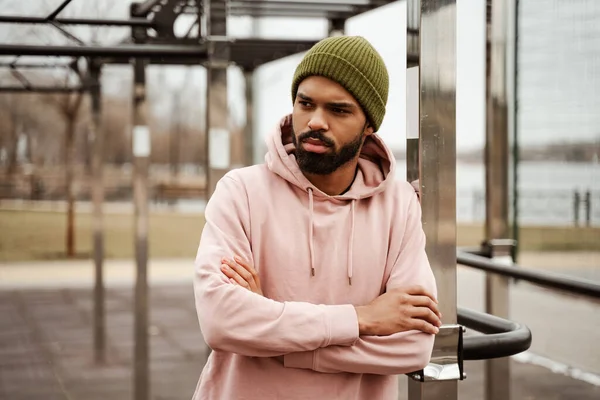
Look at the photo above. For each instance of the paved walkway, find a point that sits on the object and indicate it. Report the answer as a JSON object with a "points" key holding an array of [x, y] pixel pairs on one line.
{"points": [[46, 336]]}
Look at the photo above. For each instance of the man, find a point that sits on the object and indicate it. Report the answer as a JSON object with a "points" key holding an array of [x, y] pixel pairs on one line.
{"points": [[311, 277]]}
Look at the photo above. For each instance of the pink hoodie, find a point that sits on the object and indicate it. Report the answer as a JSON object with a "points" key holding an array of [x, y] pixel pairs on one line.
{"points": [[317, 257]]}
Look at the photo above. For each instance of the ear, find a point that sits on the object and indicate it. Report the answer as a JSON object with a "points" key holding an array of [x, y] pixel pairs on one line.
{"points": [[368, 129]]}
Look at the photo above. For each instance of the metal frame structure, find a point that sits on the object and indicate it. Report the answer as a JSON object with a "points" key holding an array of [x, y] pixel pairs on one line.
{"points": [[153, 41], [431, 83], [431, 158]]}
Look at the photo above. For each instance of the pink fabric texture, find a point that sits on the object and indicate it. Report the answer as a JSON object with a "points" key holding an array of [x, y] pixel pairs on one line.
{"points": [[318, 256]]}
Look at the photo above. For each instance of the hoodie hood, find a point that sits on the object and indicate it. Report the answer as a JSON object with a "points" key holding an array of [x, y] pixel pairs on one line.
{"points": [[376, 167]]}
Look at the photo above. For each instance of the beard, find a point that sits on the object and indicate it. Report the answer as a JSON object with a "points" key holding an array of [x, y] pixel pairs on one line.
{"points": [[328, 162]]}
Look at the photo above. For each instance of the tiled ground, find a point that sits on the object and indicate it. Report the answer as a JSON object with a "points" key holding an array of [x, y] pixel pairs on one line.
{"points": [[46, 350]]}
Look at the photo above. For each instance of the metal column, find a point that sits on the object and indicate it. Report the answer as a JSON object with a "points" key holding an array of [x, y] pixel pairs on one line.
{"points": [[141, 147], [337, 27], [435, 22], [175, 137], [218, 137], [141, 155], [97, 200], [249, 137], [497, 371]]}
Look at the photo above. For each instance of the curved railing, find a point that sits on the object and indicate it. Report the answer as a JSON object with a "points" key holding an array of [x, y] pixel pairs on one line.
{"points": [[502, 338]]}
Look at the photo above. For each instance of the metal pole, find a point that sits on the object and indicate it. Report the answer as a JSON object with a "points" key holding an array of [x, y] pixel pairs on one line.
{"points": [[175, 137], [32, 89], [141, 147], [516, 153], [588, 208], [435, 53], [127, 51], [497, 371], [97, 199], [141, 154], [20, 19], [15, 65], [58, 10], [249, 138], [218, 138], [337, 27], [576, 201]]}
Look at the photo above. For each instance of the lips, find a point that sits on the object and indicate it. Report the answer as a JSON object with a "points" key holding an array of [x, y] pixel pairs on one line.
{"points": [[315, 145]]}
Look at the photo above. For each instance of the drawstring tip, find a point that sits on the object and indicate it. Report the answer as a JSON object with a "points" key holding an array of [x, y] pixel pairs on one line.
{"points": [[350, 280], [312, 271]]}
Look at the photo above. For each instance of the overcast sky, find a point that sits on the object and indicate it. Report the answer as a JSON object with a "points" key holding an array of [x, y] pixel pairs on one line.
{"points": [[559, 73]]}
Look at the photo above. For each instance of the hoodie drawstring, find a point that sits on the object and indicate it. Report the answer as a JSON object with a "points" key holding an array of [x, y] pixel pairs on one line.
{"points": [[351, 244], [311, 238], [310, 232]]}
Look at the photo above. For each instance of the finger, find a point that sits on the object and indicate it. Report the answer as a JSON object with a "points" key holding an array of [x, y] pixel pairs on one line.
{"points": [[426, 314], [424, 301], [248, 267], [245, 274], [421, 291], [423, 326], [228, 271], [244, 263], [234, 276]]}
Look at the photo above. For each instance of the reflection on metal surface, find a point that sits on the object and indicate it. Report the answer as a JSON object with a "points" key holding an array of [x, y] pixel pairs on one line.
{"points": [[496, 152], [497, 372], [446, 362], [435, 21], [438, 146]]}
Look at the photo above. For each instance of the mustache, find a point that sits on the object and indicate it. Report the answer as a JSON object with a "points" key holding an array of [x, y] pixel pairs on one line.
{"points": [[315, 135]]}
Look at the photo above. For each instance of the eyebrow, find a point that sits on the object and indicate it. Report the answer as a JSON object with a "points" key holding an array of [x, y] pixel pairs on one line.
{"points": [[330, 104]]}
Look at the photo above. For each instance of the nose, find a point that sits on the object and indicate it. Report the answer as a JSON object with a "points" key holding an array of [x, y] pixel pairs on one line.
{"points": [[317, 121]]}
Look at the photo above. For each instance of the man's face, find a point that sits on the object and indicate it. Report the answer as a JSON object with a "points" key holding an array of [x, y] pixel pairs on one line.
{"points": [[329, 126]]}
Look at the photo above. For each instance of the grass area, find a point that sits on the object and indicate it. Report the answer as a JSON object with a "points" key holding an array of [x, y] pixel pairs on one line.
{"points": [[38, 235], [540, 238]]}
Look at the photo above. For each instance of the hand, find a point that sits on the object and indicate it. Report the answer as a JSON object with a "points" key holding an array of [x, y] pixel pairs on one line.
{"points": [[241, 273], [400, 310]]}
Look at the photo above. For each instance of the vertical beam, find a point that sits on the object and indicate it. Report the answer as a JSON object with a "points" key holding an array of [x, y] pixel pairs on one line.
{"points": [[141, 156], [496, 151], [413, 24], [337, 27], [70, 154], [218, 138], [249, 137], [514, 12], [97, 200], [437, 163], [497, 371], [141, 161], [175, 136]]}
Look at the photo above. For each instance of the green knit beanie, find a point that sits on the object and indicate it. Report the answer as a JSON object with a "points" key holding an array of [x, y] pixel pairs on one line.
{"points": [[354, 63]]}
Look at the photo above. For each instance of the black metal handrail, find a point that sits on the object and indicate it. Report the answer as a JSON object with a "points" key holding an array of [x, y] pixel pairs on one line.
{"points": [[502, 338], [546, 279]]}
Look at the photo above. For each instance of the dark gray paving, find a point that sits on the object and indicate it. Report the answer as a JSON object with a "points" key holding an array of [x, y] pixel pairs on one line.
{"points": [[46, 350]]}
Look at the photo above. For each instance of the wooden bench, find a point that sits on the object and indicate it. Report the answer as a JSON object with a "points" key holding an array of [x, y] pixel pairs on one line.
{"points": [[168, 191]]}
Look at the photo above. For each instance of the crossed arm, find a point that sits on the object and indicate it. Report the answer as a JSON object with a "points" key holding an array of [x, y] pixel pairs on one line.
{"points": [[324, 338]]}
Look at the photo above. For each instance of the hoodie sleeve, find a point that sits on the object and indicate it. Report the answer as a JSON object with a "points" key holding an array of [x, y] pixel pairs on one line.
{"points": [[400, 353], [235, 320]]}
